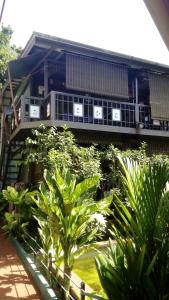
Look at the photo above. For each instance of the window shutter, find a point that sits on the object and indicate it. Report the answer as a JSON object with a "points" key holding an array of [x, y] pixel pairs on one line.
{"points": [[91, 75], [159, 96]]}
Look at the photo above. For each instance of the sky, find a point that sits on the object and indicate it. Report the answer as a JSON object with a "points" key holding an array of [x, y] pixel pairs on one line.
{"points": [[123, 26]]}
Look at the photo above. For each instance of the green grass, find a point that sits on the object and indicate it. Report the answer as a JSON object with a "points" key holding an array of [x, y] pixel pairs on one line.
{"points": [[85, 268]]}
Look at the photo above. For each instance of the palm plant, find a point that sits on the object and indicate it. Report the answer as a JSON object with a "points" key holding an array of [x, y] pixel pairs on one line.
{"points": [[69, 209], [137, 265]]}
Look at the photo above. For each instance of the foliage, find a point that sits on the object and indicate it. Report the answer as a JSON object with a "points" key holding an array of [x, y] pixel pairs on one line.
{"points": [[3, 205], [137, 267], [59, 148], [112, 174], [111, 168], [44, 236], [18, 219], [7, 52], [69, 208]]}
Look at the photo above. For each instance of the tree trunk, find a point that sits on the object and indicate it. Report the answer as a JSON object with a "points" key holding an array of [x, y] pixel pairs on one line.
{"points": [[66, 282]]}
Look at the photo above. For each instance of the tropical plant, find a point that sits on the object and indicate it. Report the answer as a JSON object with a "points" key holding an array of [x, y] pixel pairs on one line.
{"points": [[69, 209], [45, 236], [136, 266], [57, 147], [111, 167], [18, 219], [3, 205]]}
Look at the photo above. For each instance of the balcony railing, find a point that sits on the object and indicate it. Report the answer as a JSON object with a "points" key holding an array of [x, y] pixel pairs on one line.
{"points": [[74, 108], [83, 109]]}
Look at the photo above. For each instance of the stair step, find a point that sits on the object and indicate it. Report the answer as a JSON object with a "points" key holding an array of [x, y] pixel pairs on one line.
{"points": [[13, 166], [12, 177], [15, 160], [17, 155]]}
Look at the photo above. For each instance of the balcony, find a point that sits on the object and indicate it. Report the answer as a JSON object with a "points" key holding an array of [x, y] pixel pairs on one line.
{"points": [[83, 112]]}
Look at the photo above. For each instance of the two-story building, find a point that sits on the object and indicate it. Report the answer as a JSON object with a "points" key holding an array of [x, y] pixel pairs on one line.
{"points": [[103, 96]]}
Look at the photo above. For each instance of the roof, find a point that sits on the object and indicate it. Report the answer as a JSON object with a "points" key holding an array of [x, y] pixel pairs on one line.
{"points": [[159, 11], [40, 46], [45, 41]]}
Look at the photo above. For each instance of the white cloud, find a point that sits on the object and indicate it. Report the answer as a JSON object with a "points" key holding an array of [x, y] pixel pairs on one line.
{"points": [[123, 26]]}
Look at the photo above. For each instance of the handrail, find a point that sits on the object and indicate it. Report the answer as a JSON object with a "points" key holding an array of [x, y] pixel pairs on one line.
{"points": [[90, 97], [48, 270], [52, 260], [59, 106], [4, 141]]}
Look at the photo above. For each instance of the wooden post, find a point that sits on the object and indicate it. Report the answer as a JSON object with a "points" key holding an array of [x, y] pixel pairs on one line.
{"points": [[137, 104], [45, 78], [82, 288], [12, 97], [53, 106]]}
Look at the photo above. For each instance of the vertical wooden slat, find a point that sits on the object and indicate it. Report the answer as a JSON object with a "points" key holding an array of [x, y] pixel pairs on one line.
{"points": [[92, 75], [159, 96]]}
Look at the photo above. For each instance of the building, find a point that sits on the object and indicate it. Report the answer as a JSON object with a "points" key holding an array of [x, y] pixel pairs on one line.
{"points": [[104, 97]]}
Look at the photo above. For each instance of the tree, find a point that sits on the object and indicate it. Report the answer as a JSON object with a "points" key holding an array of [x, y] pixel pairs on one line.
{"points": [[53, 147], [111, 167], [70, 210], [137, 266], [7, 52]]}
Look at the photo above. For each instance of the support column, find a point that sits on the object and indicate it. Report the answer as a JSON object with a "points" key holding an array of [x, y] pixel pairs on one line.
{"points": [[137, 104], [45, 78], [53, 106]]}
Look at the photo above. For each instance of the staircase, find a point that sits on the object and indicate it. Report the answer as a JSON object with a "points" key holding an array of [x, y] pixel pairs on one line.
{"points": [[12, 162], [10, 152]]}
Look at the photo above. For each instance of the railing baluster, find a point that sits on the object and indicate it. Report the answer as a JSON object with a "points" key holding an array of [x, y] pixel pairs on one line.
{"points": [[82, 286], [61, 107]]}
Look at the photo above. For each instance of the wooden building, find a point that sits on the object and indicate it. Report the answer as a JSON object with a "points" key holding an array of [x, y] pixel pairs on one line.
{"points": [[104, 97]]}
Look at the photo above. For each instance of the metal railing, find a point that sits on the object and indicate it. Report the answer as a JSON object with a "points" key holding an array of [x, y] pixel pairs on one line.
{"points": [[86, 109], [146, 122], [94, 110], [32, 108], [50, 269]]}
